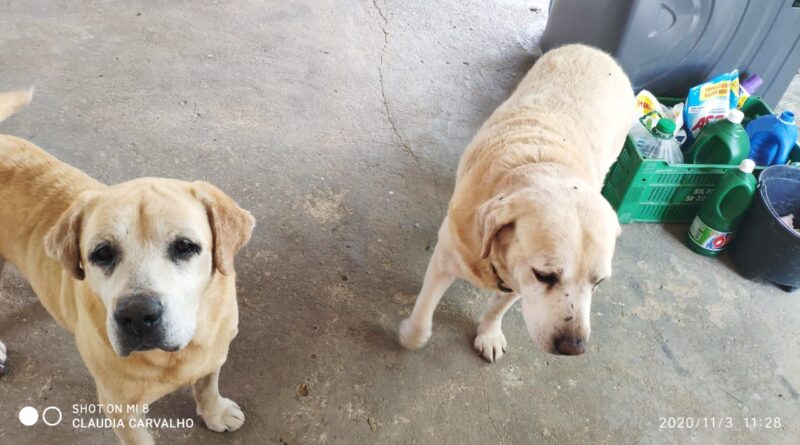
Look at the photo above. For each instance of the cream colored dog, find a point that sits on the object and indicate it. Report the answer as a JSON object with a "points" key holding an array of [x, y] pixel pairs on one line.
{"points": [[527, 218], [141, 273]]}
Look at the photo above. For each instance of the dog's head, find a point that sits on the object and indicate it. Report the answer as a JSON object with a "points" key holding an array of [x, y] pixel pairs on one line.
{"points": [[148, 249], [553, 244]]}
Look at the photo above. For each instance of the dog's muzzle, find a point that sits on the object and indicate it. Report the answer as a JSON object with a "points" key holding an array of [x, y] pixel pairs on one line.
{"points": [[139, 324], [568, 345]]}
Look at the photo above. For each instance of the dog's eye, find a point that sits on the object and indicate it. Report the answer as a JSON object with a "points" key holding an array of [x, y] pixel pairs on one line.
{"points": [[547, 278], [182, 249], [597, 283], [102, 255]]}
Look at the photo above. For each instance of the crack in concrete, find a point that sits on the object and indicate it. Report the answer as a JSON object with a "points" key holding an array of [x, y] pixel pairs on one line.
{"points": [[489, 411], [406, 146]]}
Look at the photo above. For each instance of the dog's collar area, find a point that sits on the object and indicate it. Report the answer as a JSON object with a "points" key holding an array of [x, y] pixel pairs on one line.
{"points": [[501, 285]]}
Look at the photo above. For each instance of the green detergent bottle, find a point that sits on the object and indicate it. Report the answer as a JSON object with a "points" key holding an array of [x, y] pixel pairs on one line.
{"points": [[719, 217], [752, 108], [722, 142]]}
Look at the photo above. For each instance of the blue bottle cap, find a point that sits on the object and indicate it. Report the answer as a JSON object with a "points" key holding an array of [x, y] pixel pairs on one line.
{"points": [[787, 117]]}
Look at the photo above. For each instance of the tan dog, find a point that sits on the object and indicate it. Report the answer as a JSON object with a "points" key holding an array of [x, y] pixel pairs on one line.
{"points": [[527, 218], [140, 272]]}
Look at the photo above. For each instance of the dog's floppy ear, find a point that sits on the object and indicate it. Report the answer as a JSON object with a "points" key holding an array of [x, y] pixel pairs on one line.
{"points": [[231, 226], [62, 241], [495, 214]]}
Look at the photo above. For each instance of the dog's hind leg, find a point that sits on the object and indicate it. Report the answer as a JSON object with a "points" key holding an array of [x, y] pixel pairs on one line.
{"points": [[490, 342], [14, 100], [3, 350], [219, 414], [415, 330]]}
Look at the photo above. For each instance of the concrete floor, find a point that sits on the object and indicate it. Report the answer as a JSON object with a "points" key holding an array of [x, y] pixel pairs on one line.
{"points": [[340, 124]]}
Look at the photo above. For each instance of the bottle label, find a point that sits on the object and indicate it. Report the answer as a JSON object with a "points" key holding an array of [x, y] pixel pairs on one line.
{"points": [[742, 99], [650, 120], [708, 238]]}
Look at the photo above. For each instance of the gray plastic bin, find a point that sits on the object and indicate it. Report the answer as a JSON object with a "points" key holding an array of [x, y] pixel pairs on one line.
{"points": [[668, 46]]}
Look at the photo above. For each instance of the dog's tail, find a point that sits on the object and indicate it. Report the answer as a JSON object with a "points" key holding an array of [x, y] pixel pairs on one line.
{"points": [[14, 100]]}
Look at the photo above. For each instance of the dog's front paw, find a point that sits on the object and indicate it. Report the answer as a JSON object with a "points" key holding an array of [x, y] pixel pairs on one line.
{"points": [[2, 359], [224, 415], [490, 344], [413, 336]]}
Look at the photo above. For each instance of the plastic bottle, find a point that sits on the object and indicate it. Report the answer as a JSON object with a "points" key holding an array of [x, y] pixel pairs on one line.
{"points": [[748, 87], [752, 108], [721, 142], [772, 138], [641, 135], [659, 143], [719, 217]]}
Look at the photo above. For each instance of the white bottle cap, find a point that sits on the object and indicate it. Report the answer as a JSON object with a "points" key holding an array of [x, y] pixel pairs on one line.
{"points": [[747, 166], [735, 116]]}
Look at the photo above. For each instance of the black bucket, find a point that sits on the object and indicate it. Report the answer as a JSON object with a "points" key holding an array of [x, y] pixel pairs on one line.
{"points": [[765, 247]]}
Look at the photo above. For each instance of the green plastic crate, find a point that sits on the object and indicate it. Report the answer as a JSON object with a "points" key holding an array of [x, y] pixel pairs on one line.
{"points": [[652, 190]]}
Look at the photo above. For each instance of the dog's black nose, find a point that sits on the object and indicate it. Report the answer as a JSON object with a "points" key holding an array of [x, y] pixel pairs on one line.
{"points": [[570, 346], [139, 316]]}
